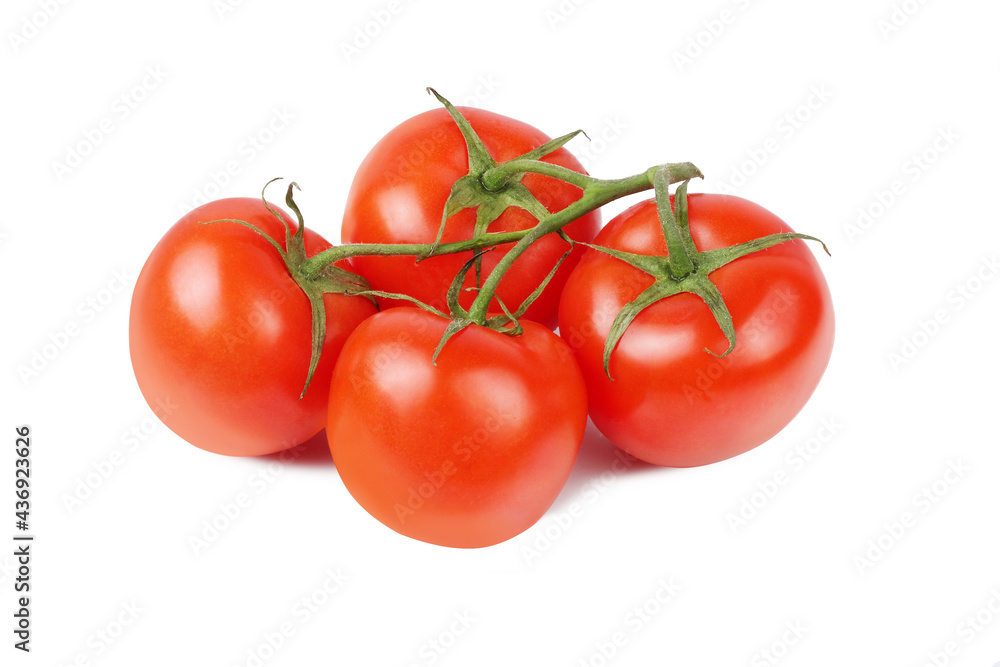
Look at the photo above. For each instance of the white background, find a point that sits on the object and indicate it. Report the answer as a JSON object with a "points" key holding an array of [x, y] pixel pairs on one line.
{"points": [[868, 99]]}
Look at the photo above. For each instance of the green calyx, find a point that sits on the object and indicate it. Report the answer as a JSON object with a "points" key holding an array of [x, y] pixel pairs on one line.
{"points": [[506, 323], [329, 279], [459, 318], [685, 268], [489, 189]]}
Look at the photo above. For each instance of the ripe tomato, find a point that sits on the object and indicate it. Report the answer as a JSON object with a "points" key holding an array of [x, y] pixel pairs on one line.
{"points": [[399, 193], [220, 333], [672, 403], [467, 453]]}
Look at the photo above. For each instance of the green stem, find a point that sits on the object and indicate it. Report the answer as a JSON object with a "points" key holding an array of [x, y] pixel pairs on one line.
{"points": [[315, 264], [680, 261], [494, 179], [600, 192], [596, 194]]}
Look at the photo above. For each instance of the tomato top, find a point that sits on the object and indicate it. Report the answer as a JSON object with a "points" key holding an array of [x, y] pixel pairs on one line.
{"points": [[399, 193]]}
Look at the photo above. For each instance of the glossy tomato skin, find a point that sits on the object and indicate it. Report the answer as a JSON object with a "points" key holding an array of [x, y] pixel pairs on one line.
{"points": [[220, 337], [465, 454], [399, 193], [671, 403]]}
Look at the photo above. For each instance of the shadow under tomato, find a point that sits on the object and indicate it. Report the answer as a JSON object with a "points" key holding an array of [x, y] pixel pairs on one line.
{"points": [[598, 455], [600, 465], [313, 452]]}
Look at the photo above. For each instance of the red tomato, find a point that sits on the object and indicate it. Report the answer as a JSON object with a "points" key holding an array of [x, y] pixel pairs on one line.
{"points": [[220, 333], [398, 196], [467, 453], [671, 403]]}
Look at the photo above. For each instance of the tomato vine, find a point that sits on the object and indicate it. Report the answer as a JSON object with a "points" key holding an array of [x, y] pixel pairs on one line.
{"points": [[492, 187]]}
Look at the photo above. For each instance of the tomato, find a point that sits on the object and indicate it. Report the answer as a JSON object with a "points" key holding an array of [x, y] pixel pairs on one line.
{"points": [[399, 193], [467, 453], [672, 403], [220, 333]]}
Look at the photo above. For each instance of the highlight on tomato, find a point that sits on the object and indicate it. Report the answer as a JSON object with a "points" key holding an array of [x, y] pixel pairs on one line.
{"points": [[223, 338]]}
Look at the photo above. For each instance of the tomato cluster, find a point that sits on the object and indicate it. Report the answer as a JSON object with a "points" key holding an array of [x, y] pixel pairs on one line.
{"points": [[693, 329]]}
